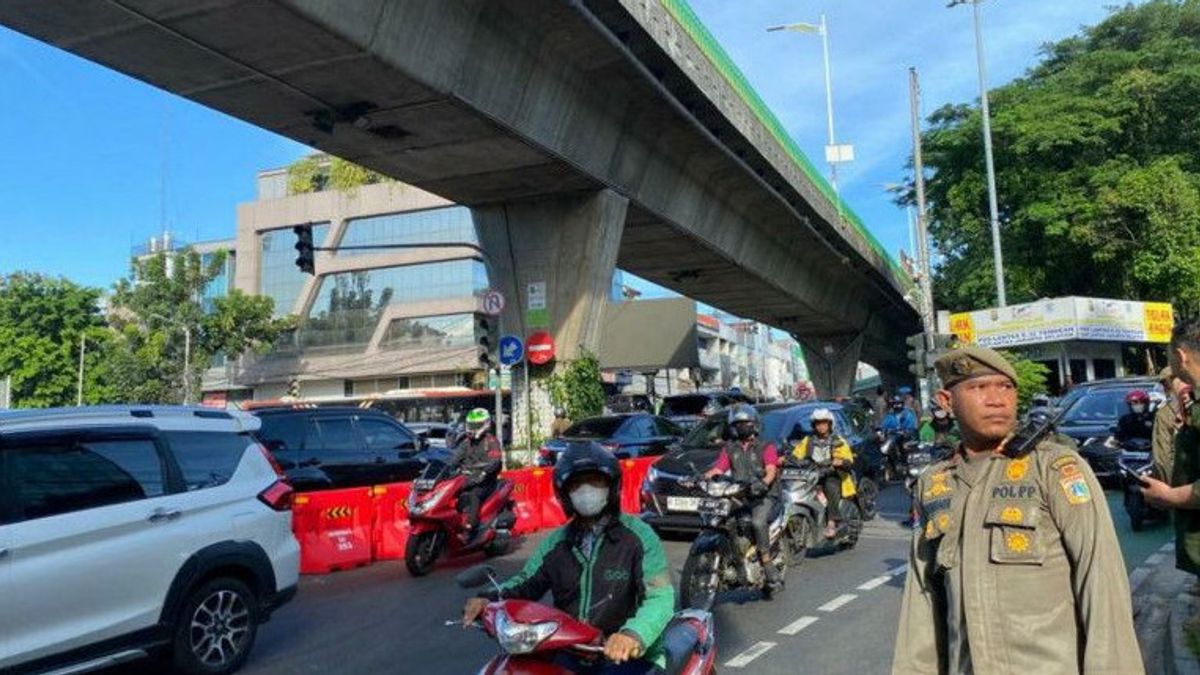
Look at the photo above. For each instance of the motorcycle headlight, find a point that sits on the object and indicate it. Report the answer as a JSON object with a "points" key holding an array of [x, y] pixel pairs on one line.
{"points": [[521, 638], [914, 471], [420, 502], [721, 488]]}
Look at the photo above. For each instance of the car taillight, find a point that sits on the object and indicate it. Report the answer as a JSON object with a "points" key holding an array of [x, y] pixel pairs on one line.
{"points": [[278, 497], [271, 459]]}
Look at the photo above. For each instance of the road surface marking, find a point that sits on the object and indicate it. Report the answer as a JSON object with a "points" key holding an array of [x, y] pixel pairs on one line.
{"points": [[742, 660], [875, 583], [895, 571], [798, 625], [1154, 560], [837, 602]]}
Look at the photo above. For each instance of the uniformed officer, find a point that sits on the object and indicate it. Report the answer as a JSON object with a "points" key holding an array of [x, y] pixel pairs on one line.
{"points": [[1014, 566]]}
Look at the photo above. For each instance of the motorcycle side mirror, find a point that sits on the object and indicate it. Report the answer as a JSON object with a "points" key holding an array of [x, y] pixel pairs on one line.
{"points": [[474, 577]]}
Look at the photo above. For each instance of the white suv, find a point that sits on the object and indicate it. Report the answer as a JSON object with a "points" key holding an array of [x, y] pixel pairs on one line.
{"points": [[135, 530]]}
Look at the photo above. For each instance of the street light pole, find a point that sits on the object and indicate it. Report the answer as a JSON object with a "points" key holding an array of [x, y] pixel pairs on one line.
{"points": [[985, 110], [79, 385]]}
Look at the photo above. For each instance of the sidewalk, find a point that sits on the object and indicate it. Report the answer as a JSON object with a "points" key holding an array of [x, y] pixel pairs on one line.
{"points": [[1161, 605]]}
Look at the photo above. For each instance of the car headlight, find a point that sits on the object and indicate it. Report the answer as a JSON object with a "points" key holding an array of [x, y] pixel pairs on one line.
{"points": [[521, 638], [419, 502]]}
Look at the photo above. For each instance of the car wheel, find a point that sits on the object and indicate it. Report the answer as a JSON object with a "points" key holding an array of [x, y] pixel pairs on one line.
{"points": [[215, 630]]}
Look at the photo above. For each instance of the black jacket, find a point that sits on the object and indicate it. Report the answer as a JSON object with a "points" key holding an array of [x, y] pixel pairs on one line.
{"points": [[624, 586], [1135, 425]]}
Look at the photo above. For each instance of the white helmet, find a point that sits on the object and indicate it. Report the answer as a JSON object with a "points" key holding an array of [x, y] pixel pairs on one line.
{"points": [[821, 415]]}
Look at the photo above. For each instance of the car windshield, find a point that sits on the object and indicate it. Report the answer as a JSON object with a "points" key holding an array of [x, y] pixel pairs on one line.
{"points": [[685, 405], [1097, 406], [595, 427]]}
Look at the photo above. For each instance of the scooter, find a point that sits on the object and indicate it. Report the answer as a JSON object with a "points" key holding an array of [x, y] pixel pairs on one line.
{"points": [[723, 555], [805, 507], [894, 446], [1136, 463], [541, 640], [437, 527]]}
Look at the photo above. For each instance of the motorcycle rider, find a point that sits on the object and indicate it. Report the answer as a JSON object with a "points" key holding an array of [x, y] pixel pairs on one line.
{"points": [[560, 424], [900, 418], [833, 454], [942, 425], [603, 566], [1139, 421], [750, 460], [479, 453]]}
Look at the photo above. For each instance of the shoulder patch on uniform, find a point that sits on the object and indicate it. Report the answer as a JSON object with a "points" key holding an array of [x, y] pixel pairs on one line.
{"points": [[1073, 483], [1063, 461]]}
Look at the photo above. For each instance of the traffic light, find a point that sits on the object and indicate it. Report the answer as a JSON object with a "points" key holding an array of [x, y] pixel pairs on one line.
{"points": [[293, 388], [916, 354], [485, 331], [304, 246], [943, 342]]}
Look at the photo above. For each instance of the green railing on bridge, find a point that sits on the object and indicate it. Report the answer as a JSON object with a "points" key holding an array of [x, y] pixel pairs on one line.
{"points": [[683, 14]]}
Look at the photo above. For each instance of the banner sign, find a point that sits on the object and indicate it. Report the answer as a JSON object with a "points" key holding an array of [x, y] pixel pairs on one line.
{"points": [[1071, 318]]}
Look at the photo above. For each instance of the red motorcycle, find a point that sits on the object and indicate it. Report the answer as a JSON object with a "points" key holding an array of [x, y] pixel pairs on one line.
{"points": [[535, 638], [437, 527]]}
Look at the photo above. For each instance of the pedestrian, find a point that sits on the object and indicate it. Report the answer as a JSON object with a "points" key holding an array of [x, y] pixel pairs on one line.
{"points": [[1014, 566], [1168, 418], [1180, 495]]}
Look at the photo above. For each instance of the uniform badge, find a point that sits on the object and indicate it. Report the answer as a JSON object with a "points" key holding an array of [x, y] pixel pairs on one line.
{"points": [[1017, 542], [1011, 514], [962, 366], [1074, 485], [938, 485], [1016, 468], [943, 521], [929, 530]]}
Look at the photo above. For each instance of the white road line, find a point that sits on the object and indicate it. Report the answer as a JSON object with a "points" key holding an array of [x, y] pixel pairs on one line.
{"points": [[798, 625], [837, 602], [744, 659], [1154, 560], [898, 570], [875, 583]]}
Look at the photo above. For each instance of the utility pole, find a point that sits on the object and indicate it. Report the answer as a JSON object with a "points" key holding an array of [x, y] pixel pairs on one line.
{"points": [[926, 284], [79, 385], [187, 364]]}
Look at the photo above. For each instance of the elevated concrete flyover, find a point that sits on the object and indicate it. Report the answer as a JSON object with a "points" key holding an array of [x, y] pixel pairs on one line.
{"points": [[620, 117]]}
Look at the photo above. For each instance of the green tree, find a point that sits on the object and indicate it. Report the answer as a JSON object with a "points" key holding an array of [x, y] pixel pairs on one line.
{"points": [[1098, 170], [165, 339], [578, 388], [42, 321], [321, 172], [1031, 378]]}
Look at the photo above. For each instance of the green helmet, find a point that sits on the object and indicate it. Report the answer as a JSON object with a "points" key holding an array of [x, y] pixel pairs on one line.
{"points": [[479, 421]]}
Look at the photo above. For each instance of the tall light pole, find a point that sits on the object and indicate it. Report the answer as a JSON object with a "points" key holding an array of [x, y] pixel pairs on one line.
{"points": [[834, 153], [994, 209]]}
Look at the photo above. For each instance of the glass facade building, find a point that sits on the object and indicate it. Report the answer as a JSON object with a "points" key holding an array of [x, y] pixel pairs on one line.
{"points": [[279, 278], [451, 224], [221, 284]]}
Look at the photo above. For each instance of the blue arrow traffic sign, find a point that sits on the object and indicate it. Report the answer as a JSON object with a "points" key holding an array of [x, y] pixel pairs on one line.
{"points": [[511, 350]]}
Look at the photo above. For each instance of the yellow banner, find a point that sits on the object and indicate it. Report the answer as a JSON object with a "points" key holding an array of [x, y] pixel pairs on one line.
{"points": [[1159, 318], [963, 326]]}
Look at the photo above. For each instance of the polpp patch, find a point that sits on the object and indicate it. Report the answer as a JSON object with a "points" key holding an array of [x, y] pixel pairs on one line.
{"points": [[1016, 468], [1024, 491]]}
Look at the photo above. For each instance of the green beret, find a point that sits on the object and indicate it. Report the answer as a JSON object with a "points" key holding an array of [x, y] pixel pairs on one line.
{"points": [[971, 361]]}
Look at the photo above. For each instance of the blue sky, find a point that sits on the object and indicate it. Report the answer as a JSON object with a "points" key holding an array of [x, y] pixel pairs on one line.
{"points": [[85, 147]]}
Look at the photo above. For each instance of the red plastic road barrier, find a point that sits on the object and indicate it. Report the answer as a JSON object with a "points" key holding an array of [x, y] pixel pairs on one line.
{"points": [[633, 472], [390, 533], [334, 529], [552, 513], [525, 501]]}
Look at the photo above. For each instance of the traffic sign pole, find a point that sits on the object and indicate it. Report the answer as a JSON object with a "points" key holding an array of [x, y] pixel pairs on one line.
{"points": [[499, 397]]}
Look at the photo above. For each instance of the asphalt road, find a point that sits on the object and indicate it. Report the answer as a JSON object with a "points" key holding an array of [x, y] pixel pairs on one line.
{"points": [[837, 615]]}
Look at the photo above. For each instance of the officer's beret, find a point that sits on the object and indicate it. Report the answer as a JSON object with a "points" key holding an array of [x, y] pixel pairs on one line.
{"points": [[964, 363]]}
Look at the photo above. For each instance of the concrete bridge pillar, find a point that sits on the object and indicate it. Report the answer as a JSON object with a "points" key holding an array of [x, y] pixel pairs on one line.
{"points": [[832, 362], [569, 244]]}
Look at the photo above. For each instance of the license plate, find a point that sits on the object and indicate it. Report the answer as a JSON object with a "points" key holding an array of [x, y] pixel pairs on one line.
{"points": [[683, 503], [714, 506], [424, 484], [792, 474]]}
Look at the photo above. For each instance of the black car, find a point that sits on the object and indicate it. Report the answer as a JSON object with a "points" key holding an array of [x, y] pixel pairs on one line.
{"points": [[1090, 414], [688, 410], [667, 505], [627, 436], [336, 447]]}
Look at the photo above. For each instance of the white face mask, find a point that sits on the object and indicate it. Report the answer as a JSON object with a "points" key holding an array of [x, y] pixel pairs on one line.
{"points": [[1138, 408], [589, 500]]}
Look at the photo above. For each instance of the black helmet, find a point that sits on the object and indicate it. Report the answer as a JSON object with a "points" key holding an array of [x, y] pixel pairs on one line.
{"points": [[742, 421], [587, 457]]}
